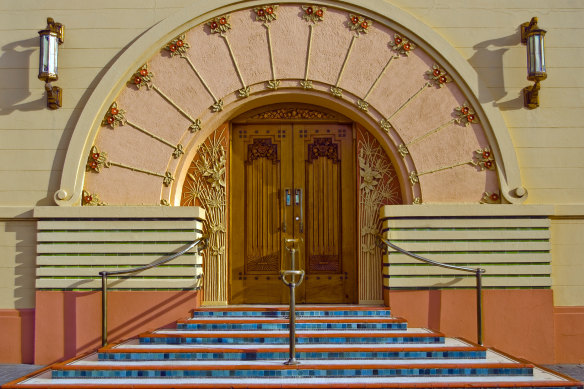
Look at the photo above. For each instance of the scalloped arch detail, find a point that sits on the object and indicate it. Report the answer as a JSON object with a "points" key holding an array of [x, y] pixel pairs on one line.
{"points": [[368, 61]]}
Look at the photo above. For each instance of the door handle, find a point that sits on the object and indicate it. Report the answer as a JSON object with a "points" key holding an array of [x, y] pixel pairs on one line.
{"points": [[287, 203], [298, 202]]}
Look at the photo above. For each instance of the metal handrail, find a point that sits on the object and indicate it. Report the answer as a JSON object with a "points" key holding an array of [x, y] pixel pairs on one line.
{"points": [[477, 271], [292, 284], [104, 274]]}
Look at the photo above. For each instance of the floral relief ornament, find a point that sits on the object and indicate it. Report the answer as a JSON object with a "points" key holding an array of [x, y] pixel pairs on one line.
{"points": [[438, 76], [484, 159], [359, 24], [91, 199], [178, 46], [313, 13], [96, 160], [402, 45], [466, 115], [491, 198], [142, 77], [220, 24], [114, 116], [266, 14], [369, 175]]}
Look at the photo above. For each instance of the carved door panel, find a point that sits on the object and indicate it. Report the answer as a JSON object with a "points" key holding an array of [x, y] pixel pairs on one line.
{"points": [[324, 171], [292, 181]]}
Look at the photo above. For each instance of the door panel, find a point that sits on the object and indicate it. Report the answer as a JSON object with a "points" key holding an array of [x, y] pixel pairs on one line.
{"points": [[324, 166], [292, 181]]}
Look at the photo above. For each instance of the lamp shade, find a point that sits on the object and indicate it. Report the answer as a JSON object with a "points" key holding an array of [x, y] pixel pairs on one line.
{"points": [[535, 55], [49, 48]]}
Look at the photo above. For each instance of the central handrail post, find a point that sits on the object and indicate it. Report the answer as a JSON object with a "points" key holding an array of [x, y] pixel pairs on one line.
{"points": [[479, 306], [103, 275], [292, 284], [292, 336]]}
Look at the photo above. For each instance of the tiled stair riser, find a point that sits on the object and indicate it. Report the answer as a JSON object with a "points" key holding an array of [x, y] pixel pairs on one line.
{"points": [[253, 356], [285, 314], [299, 340], [298, 372], [285, 326]]}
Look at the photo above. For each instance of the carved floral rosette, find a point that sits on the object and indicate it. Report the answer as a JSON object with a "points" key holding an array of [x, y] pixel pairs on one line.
{"points": [[142, 77], [313, 13], [438, 76], [114, 116], [466, 115], [178, 46], [402, 45], [266, 13], [219, 25], [359, 24]]}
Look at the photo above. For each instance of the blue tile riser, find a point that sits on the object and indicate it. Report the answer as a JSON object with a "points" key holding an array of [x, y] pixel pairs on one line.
{"points": [[299, 372], [377, 313], [284, 340], [243, 356], [284, 326]]}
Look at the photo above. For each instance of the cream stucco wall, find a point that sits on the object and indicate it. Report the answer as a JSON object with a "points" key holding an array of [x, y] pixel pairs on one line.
{"points": [[33, 140]]}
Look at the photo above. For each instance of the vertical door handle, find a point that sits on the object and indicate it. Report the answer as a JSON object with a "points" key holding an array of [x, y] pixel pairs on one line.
{"points": [[287, 203], [298, 202]]}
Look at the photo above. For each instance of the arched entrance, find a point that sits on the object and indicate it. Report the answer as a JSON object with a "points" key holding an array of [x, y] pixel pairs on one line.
{"points": [[293, 171], [197, 71]]}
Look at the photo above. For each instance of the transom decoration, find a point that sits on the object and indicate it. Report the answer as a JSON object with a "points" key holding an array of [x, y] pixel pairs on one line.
{"points": [[323, 147], [262, 148]]}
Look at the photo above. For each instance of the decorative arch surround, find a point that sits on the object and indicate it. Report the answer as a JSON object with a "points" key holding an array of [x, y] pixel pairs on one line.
{"points": [[142, 126]]}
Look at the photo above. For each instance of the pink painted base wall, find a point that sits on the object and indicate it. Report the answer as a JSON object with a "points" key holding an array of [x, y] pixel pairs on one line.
{"points": [[16, 335], [569, 328], [69, 323], [523, 323]]}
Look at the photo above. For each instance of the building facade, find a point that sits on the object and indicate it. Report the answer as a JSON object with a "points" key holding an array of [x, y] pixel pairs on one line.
{"points": [[319, 124]]}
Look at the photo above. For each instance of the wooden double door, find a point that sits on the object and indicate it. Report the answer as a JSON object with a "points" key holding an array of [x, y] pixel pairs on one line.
{"points": [[292, 181]]}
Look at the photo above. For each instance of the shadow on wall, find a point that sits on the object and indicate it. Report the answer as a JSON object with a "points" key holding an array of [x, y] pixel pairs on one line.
{"points": [[489, 54], [24, 236], [16, 61], [128, 316]]}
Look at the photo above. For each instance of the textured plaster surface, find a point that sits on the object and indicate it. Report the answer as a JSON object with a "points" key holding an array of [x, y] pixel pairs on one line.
{"points": [[393, 97]]}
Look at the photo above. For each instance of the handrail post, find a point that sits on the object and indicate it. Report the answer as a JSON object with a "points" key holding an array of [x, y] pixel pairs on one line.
{"points": [[292, 337], [103, 308], [292, 326], [479, 307], [292, 285]]}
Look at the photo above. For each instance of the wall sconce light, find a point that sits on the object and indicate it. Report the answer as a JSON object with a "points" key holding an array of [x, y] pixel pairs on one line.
{"points": [[51, 38], [533, 36]]}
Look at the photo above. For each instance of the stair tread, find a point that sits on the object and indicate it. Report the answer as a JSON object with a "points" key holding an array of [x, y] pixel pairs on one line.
{"points": [[299, 307], [313, 319], [307, 333], [449, 344], [492, 358], [540, 378]]}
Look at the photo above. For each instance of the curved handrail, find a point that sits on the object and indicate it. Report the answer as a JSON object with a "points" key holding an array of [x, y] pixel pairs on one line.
{"points": [[431, 262], [477, 271], [204, 240]]}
